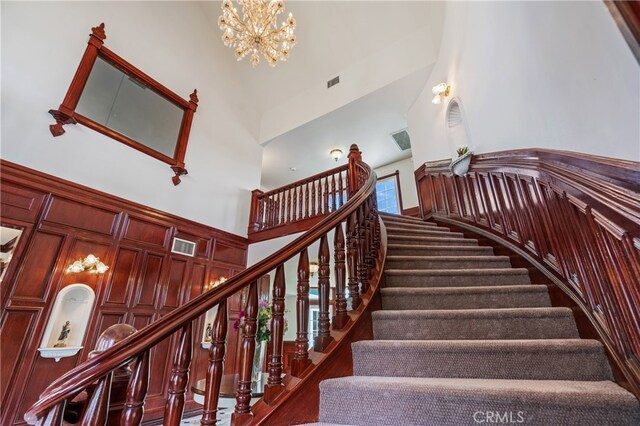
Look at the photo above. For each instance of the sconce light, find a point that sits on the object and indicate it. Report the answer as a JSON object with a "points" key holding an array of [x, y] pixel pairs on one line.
{"points": [[89, 263], [336, 153], [440, 91], [216, 283], [313, 267]]}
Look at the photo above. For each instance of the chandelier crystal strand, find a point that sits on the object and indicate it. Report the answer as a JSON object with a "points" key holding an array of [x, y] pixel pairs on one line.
{"points": [[257, 31]]}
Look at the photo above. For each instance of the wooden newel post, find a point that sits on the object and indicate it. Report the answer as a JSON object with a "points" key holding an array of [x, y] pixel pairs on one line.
{"points": [[215, 370], [301, 360], [255, 211], [352, 172]]}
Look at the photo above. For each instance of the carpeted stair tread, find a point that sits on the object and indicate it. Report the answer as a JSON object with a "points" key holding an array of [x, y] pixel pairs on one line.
{"points": [[474, 324], [547, 359], [436, 250], [435, 232], [412, 298], [456, 277], [411, 239], [446, 262], [359, 400], [404, 219]]}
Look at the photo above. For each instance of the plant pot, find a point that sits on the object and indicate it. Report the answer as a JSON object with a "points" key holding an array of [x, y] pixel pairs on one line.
{"points": [[460, 166]]}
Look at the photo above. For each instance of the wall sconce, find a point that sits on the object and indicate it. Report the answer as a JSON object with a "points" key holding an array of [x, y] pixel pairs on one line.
{"points": [[216, 283], [89, 263], [313, 267], [440, 91], [336, 153]]}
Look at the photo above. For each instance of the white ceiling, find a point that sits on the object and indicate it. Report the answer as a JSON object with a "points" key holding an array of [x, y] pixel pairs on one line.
{"points": [[333, 35], [368, 122]]}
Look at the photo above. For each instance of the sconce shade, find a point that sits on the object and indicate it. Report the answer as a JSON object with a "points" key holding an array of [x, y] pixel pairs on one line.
{"points": [[313, 267]]}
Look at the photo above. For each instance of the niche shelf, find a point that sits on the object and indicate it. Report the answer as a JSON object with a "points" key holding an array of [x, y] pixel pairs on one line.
{"points": [[74, 303], [209, 318]]}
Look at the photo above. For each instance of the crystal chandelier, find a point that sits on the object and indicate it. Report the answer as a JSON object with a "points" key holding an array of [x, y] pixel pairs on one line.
{"points": [[257, 32]]}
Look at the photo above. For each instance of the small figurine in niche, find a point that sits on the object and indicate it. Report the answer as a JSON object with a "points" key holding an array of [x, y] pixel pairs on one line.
{"points": [[207, 333], [64, 334]]}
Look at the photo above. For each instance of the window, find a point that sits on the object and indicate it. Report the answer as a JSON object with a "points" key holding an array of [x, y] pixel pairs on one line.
{"points": [[388, 194]]}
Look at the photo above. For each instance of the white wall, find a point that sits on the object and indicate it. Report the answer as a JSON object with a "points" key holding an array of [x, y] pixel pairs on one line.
{"points": [[173, 42], [407, 180], [553, 75]]}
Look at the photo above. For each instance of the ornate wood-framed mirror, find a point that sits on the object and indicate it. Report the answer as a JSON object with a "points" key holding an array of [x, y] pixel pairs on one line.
{"points": [[111, 96]]}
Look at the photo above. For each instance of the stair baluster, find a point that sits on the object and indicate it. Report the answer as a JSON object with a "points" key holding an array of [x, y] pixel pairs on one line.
{"points": [[97, 409], [136, 392], [341, 318], [179, 378], [323, 339], [54, 417], [242, 411], [274, 385], [362, 250], [301, 360], [352, 261], [215, 369]]}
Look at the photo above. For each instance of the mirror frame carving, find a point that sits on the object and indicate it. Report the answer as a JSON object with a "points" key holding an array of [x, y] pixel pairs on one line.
{"points": [[66, 114]]}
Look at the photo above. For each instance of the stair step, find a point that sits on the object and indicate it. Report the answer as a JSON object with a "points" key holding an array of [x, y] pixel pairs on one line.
{"points": [[435, 232], [394, 249], [431, 241], [521, 296], [422, 226], [475, 324], [447, 262], [400, 218], [551, 359], [456, 277], [368, 401]]}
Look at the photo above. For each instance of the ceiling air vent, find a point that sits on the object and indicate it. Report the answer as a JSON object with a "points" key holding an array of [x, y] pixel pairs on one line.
{"points": [[402, 139], [180, 246], [333, 81]]}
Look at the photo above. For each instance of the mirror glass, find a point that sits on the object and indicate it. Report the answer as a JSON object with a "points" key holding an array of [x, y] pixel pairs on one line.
{"points": [[126, 105], [8, 241]]}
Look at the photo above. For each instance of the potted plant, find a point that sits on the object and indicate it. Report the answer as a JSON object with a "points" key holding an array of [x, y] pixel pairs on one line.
{"points": [[460, 165]]}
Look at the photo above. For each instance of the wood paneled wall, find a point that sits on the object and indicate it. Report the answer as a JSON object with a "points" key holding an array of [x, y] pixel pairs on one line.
{"points": [[62, 222]]}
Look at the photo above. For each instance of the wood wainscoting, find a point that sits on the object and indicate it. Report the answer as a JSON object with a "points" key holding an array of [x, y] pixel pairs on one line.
{"points": [[62, 222]]}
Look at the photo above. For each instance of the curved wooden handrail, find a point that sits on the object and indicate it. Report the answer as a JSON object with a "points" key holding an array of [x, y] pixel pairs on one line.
{"points": [[180, 318], [576, 217]]}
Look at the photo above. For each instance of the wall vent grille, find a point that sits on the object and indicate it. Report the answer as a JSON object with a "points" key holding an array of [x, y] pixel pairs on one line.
{"points": [[333, 81], [180, 246], [402, 139]]}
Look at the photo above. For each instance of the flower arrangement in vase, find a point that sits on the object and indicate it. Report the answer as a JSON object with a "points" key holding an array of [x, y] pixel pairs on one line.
{"points": [[460, 166], [263, 334]]}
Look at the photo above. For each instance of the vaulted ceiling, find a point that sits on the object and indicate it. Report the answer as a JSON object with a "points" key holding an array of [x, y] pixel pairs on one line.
{"points": [[383, 52]]}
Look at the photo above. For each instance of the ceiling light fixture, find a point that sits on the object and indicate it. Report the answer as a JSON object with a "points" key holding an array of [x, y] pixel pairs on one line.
{"points": [[336, 153], [440, 91], [257, 31]]}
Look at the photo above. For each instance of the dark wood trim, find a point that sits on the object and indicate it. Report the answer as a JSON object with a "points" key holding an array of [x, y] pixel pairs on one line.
{"points": [[412, 211], [627, 17], [66, 114], [575, 217], [153, 334]]}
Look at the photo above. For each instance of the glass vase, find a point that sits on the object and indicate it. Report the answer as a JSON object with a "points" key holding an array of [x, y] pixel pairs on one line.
{"points": [[258, 360]]}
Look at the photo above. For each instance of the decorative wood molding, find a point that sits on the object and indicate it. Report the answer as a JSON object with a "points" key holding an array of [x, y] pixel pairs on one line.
{"points": [[359, 211], [575, 216]]}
